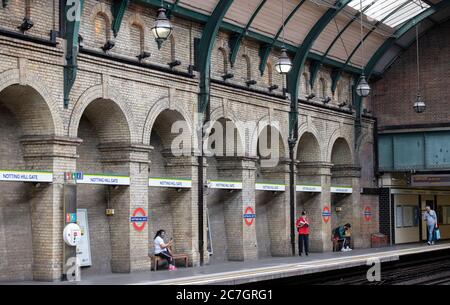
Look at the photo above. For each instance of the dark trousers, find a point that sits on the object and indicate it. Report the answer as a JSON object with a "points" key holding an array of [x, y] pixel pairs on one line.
{"points": [[303, 239], [166, 255]]}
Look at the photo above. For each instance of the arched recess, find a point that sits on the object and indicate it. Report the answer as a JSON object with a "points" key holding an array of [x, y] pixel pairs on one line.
{"points": [[342, 165], [101, 22], [309, 156], [113, 96], [222, 61], [160, 105], [224, 147], [171, 209], [104, 129], [272, 208], [25, 111], [266, 126]]}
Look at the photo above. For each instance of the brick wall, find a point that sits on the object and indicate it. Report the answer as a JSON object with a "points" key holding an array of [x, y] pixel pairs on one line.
{"points": [[392, 104], [127, 107]]}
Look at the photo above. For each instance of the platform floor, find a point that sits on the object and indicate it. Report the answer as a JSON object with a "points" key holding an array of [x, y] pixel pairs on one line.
{"points": [[257, 270]]}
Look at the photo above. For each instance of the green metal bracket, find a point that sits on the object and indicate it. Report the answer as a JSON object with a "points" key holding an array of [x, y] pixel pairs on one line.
{"points": [[5, 3], [236, 39], [262, 39], [205, 47], [266, 53], [300, 58], [313, 70], [263, 52], [335, 75], [72, 31], [172, 8], [118, 8]]}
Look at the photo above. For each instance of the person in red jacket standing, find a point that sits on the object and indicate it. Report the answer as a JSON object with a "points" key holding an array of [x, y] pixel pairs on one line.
{"points": [[303, 233]]}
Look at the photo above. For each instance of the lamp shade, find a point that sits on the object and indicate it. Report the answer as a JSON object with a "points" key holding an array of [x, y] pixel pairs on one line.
{"points": [[284, 64], [162, 28], [363, 88], [419, 104]]}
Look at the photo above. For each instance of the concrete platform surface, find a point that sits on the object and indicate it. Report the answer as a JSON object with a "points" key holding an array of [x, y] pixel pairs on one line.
{"points": [[252, 271]]}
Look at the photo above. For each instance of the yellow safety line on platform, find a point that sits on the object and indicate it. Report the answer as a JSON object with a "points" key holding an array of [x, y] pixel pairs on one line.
{"points": [[293, 267]]}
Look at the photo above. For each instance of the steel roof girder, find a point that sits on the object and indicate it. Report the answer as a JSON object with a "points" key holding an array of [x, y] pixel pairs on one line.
{"points": [[72, 48], [206, 44], [118, 8], [301, 55]]}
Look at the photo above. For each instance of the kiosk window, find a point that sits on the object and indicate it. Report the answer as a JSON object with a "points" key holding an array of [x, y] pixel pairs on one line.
{"points": [[407, 216], [444, 215]]}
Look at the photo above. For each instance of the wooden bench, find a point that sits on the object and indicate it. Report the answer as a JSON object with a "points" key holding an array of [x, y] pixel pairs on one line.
{"points": [[156, 259]]}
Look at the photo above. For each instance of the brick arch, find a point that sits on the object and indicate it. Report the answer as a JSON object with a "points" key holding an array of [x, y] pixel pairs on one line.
{"points": [[311, 129], [95, 93], [12, 77], [338, 135], [260, 126], [159, 106]]}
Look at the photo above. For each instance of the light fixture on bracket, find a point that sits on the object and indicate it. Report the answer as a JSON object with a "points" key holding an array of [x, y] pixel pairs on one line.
{"points": [[26, 24], [108, 45], [251, 82], [311, 96], [143, 55], [227, 76], [419, 104], [174, 64], [273, 87], [162, 28], [284, 63], [363, 88]]}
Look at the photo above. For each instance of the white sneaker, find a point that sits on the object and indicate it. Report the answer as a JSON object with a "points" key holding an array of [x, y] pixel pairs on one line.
{"points": [[349, 249], [343, 250]]}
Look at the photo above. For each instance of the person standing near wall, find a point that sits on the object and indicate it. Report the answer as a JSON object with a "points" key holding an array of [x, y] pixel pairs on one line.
{"points": [[430, 218], [303, 234]]}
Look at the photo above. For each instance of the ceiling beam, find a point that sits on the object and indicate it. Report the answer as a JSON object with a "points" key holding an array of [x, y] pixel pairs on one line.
{"points": [[388, 43], [118, 8], [299, 61], [72, 23], [265, 49], [312, 77], [226, 26], [338, 74], [236, 38]]}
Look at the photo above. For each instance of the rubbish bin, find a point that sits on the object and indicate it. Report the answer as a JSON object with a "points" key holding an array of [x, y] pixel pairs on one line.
{"points": [[379, 240]]}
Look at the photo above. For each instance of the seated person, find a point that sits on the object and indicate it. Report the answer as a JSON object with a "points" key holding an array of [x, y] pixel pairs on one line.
{"points": [[162, 249], [343, 233]]}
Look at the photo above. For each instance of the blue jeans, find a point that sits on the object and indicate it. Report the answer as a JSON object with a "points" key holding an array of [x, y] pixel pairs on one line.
{"points": [[430, 232]]}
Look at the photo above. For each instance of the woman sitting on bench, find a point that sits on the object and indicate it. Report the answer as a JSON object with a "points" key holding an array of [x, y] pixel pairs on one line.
{"points": [[162, 249]]}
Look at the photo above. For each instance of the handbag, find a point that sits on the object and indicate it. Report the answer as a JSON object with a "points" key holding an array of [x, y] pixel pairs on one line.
{"points": [[437, 234]]}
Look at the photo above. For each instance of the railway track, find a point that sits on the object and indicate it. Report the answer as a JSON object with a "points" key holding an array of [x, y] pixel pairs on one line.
{"points": [[428, 269]]}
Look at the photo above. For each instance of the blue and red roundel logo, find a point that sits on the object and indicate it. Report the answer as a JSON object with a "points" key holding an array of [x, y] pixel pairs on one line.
{"points": [[249, 216], [326, 214]]}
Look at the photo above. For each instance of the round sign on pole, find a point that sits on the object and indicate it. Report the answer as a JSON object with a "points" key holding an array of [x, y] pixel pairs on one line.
{"points": [[139, 219], [367, 213], [249, 216], [326, 214], [72, 234]]}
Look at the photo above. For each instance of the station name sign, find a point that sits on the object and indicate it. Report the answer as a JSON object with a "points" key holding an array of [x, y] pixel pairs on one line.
{"points": [[171, 183], [430, 180], [270, 187], [341, 189], [26, 176], [225, 185], [104, 180], [309, 188]]}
